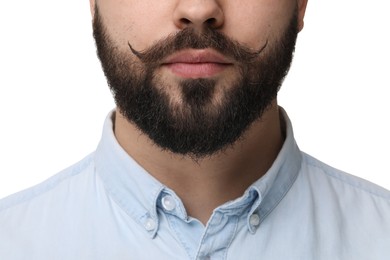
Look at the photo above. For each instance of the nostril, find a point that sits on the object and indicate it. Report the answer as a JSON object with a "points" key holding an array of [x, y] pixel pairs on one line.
{"points": [[211, 21], [185, 21], [198, 14]]}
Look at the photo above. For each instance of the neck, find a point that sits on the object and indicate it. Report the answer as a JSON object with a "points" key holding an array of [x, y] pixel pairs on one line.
{"points": [[208, 183]]}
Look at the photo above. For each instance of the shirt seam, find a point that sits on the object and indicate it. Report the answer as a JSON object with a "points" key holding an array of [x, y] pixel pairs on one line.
{"points": [[45, 186], [232, 237], [344, 178]]}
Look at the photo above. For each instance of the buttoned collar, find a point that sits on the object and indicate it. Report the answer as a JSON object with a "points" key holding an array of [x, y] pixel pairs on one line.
{"points": [[129, 185], [274, 185], [139, 194]]}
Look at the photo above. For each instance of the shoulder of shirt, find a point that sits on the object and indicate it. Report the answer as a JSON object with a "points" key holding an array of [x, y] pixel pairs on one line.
{"points": [[346, 179], [47, 185]]}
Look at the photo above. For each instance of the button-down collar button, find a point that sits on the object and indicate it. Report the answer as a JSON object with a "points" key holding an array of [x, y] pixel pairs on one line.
{"points": [[150, 224], [254, 220], [168, 203]]}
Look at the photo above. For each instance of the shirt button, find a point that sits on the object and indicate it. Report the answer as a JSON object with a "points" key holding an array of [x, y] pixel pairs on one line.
{"points": [[254, 220], [168, 203], [150, 224]]}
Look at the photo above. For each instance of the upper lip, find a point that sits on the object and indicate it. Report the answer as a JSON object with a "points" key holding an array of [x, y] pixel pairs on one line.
{"points": [[197, 56]]}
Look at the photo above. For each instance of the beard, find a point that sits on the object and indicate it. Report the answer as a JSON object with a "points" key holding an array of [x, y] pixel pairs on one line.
{"points": [[198, 122]]}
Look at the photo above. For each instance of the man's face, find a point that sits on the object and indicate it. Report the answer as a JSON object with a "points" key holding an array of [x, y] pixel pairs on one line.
{"points": [[194, 75]]}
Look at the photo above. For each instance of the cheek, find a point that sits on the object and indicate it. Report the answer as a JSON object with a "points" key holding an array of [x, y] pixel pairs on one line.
{"points": [[254, 25], [139, 22]]}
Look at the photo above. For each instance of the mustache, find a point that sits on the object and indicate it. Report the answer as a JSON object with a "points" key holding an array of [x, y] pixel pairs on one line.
{"points": [[188, 38]]}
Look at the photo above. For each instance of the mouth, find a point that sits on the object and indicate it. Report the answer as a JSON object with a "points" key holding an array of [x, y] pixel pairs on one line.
{"points": [[193, 63]]}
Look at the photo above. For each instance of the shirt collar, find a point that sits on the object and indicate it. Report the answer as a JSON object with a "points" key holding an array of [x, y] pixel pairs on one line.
{"points": [[137, 192], [266, 193], [129, 185], [274, 185]]}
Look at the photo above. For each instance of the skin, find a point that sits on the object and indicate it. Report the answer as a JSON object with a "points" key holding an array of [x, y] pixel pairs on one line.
{"points": [[205, 184]]}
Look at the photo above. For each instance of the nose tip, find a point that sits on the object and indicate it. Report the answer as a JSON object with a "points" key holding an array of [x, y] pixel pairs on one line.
{"points": [[198, 14]]}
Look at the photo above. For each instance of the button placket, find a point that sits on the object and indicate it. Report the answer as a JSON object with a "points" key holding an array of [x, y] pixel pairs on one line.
{"points": [[218, 237]]}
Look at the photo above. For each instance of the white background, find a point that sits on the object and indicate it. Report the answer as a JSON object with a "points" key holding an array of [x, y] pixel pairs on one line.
{"points": [[54, 98]]}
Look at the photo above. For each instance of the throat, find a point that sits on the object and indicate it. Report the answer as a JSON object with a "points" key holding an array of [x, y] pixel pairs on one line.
{"points": [[210, 182]]}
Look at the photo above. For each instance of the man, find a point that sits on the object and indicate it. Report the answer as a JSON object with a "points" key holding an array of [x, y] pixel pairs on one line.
{"points": [[197, 161]]}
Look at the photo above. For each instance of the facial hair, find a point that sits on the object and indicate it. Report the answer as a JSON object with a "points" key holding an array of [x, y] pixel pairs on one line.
{"points": [[197, 126]]}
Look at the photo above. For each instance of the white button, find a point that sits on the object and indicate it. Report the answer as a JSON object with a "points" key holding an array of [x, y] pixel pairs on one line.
{"points": [[254, 220], [168, 203], [150, 224]]}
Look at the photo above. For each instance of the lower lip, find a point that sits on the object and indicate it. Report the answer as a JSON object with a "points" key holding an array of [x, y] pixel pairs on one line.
{"points": [[196, 70]]}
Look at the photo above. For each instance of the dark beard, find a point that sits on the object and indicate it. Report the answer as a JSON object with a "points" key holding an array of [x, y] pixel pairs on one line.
{"points": [[197, 127]]}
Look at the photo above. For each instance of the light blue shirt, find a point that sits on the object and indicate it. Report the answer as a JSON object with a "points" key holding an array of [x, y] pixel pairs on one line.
{"points": [[108, 207]]}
